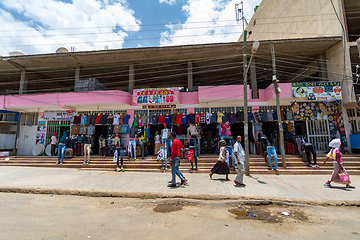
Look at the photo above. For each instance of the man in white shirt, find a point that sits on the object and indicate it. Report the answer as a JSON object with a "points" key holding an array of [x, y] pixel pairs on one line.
{"points": [[240, 160]]}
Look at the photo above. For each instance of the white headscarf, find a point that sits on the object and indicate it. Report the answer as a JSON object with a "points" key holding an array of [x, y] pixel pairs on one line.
{"points": [[335, 143]]}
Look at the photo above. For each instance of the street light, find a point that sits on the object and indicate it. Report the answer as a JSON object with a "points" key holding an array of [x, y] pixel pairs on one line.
{"points": [[255, 47]]}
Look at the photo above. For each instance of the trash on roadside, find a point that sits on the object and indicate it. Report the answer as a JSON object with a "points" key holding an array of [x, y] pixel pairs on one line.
{"points": [[7, 159], [285, 213], [251, 215], [50, 195], [112, 202], [154, 201]]}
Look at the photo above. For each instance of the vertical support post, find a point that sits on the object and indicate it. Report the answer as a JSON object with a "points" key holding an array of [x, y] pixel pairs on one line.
{"points": [[131, 78], [322, 67], [77, 78], [246, 124], [253, 80], [276, 85], [190, 77], [23, 82]]}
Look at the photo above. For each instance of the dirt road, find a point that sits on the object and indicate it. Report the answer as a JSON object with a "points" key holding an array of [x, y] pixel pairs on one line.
{"points": [[28, 216]]}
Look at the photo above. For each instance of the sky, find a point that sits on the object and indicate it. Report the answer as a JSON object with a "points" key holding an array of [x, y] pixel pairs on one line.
{"points": [[42, 26]]}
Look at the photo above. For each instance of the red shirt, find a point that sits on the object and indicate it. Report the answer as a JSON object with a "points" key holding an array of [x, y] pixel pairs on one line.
{"points": [[98, 118], [197, 117], [175, 148], [161, 119], [179, 118]]}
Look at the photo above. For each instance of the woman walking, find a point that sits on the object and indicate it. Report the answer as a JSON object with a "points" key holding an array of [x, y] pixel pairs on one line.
{"points": [[336, 156], [222, 167]]}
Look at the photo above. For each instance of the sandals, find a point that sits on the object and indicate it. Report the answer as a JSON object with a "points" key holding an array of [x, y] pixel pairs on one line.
{"points": [[172, 185], [328, 185], [350, 186]]}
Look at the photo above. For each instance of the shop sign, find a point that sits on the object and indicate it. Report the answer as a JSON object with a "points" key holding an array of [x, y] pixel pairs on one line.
{"points": [[158, 106], [56, 116], [317, 91], [155, 95], [41, 132]]}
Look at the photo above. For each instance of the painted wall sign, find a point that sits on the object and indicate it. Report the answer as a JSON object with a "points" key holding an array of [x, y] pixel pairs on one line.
{"points": [[155, 95], [53, 116], [318, 91], [158, 106]]}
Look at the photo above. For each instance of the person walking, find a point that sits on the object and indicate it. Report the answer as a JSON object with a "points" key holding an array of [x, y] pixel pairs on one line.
{"points": [[336, 156], [222, 167], [240, 160], [176, 146]]}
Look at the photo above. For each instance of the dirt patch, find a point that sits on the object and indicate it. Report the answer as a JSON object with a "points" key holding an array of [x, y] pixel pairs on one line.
{"points": [[168, 207], [267, 214]]}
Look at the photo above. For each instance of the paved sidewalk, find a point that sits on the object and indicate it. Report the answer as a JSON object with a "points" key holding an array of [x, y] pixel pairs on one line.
{"points": [[307, 188]]}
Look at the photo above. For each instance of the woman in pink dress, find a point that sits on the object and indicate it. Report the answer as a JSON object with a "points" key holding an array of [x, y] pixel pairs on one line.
{"points": [[336, 156]]}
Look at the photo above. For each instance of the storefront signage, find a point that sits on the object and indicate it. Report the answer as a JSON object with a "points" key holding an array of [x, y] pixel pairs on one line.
{"points": [[155, 95], [158, 106], [318, 91], [56, 116]]}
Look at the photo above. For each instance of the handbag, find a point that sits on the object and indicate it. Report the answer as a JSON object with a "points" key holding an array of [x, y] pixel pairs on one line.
{"points": [[344, 178]]}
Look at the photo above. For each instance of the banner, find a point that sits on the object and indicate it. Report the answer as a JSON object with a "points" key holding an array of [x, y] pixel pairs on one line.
{"points": [[158, 106], [155, 95], [54, 116], [41, 132], [317, 91]]}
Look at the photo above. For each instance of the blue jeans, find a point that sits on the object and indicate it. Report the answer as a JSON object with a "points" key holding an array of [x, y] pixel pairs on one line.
{"points": [[120, 155], [61, 151], [125, 128], [167, 145], [132, 143], [165, 158], [175, 170], [193, 143], [271, 150]]}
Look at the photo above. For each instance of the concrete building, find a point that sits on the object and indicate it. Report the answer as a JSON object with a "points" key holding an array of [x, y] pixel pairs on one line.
{"points": [[49, 89]]}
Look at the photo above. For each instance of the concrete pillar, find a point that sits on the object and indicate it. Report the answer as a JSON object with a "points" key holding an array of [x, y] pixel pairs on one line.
{"points": [[190, 77], [347, 127], [131, 78], [77, 74], [253, 80], [322, 67], [23, 82]]}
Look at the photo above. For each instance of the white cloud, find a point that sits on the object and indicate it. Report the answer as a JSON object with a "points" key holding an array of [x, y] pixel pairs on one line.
{"points": [[208, 21], [170, 2], [49, 24]]}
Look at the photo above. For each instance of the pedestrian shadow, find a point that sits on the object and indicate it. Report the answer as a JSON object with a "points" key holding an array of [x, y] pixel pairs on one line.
{"points": [[220, 180], [257, 179], [340, 188]]}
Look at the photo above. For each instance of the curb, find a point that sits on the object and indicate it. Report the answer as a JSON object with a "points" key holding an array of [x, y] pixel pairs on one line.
{"points": [[204, 197]]}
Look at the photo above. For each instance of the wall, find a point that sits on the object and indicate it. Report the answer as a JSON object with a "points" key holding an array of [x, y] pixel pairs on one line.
{"points": [[284, 19]]}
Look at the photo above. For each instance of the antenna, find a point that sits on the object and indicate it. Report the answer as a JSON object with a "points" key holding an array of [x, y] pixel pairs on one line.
{"points": [[239, 12], [72, 49]]}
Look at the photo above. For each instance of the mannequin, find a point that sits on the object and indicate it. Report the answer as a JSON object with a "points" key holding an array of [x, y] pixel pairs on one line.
{"points": [[87, 151], [192, 139], [135, 123], [102, 145]]}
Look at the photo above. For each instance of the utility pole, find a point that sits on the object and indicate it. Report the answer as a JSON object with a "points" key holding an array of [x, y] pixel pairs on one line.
{"points": [[246, 124], [277, 91]]}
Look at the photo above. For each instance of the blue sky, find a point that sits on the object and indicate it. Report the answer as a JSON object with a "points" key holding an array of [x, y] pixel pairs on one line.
{"points": [[42, 26]]}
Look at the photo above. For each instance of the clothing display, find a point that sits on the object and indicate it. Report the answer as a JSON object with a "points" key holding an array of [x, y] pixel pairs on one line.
{"points": [[203, 118], [161, 119], [135, 123], [110, 119], [88, 119], [197, 117], [184, 119], [117, 129], [77, 119], [121, 120], [167, 119], [154, 119], [213, 118], [83, 120], [179, 117], [133, 131], [75, 130], [125, 128], [239, 116], [219, 117], [191, 118], [145, 120], [91, 130], [173, 119], [116, 119], [93, 119], [126, 119], [83, 130], [98, 118]]}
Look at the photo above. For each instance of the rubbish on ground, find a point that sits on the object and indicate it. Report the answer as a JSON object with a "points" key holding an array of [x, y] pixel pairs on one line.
{"points": [[7, 159], [50, 195], [285, 213], [251, 215], [112, 202], [154, 201]]}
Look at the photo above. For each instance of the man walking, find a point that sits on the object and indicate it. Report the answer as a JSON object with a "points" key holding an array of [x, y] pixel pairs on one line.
{"points": [[240, 160], [175, 161]]}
